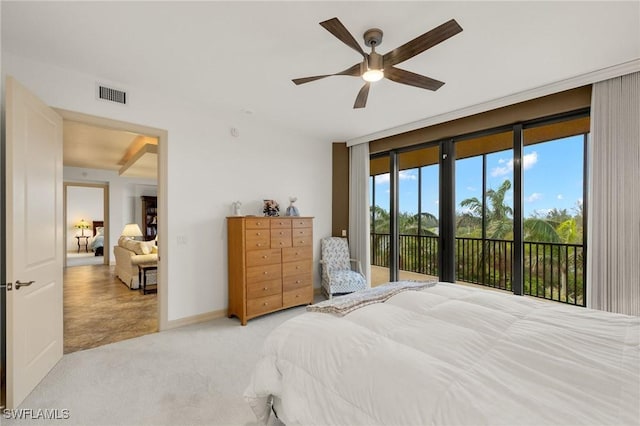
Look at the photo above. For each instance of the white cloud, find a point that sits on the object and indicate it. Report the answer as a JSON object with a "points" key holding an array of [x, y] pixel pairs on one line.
{"points": [[501, 171], [471, 188], [541, 212], [528, 161], [560, 197], [534, 197], [408, 175], [404, 175], [382, 179]]}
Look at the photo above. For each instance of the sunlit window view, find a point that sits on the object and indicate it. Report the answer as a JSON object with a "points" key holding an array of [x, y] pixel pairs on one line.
{"points": [[552, 201]]}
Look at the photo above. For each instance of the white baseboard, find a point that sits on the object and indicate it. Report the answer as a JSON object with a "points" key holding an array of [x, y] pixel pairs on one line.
{"points": [[196, 319]]}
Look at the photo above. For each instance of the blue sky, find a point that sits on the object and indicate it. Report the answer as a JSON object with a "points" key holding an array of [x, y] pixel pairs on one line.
{"points": [[553, 174]]}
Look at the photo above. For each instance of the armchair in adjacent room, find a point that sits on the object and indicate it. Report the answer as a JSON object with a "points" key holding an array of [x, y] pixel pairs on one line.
{"points": [[340, 273]]}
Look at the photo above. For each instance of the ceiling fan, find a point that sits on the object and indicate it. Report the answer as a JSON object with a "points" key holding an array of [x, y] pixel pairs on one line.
{"points": [[374, 66]]}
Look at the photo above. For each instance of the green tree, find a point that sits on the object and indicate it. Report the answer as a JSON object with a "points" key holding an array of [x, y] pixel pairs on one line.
{"points": [[499, 226], [380, 225]]}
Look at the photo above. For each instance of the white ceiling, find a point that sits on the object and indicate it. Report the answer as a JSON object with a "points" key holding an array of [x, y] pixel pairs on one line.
{"points": [[94, 147], [243, 55]]}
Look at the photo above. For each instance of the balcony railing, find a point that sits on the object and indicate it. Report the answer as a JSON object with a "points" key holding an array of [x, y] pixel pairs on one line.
{"points": [[551, 271]]}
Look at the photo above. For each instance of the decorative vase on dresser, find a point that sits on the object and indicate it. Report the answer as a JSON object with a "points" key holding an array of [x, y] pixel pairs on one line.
{"points": [[270, 264]]}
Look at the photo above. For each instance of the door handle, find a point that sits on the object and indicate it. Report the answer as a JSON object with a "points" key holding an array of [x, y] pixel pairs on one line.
{"points": [[19, 284]]}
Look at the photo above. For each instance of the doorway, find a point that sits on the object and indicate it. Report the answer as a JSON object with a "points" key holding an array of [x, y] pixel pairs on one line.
{"points": [[86, 218], [124, 176]]}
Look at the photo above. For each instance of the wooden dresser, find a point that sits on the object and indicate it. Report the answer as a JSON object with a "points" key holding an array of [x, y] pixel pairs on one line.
{"points": [[270, 264]]}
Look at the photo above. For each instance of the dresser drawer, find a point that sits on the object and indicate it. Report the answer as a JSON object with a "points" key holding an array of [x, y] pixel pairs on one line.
{"points": [[258, 239], [296, 268], [263, 257], [303, 233], [263, 273], [280, 223], [299, 296], [262, 305], [262, 289], [257, 223], [303, 241], [296, 281], [280, 238], [302, 223], [296, 253]]}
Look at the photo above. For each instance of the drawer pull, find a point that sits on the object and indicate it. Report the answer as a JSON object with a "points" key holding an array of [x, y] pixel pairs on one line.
{"points": [[259, 245], [297, 281], [265, 303], [265, 288], [281, 233], [302, 241], [297, 295], [297, 267], [258, 233], [264, 257], [258, 223], [281, 243], [265, 273]]}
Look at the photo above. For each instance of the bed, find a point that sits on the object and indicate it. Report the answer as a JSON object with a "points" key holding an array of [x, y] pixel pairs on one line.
{"points": [[97, 240], [449, 354]]}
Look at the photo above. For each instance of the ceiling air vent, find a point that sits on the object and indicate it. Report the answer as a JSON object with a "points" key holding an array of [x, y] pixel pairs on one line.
{"points": [[112, 95]]}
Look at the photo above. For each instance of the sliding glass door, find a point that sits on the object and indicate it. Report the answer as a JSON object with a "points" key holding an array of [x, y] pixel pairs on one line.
{"points": [[418, 225], [554, 211], [484, 210], [380, 221], [502, 208]]}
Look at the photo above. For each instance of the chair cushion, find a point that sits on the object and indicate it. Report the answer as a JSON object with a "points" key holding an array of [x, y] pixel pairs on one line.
{"points": [[346, 281], [335, 253]]}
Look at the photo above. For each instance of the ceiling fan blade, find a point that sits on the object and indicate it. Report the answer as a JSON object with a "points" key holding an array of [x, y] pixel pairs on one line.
{"points": [[335, 27], [352, 71], [412, 79], [363, 94], [422, 43]]}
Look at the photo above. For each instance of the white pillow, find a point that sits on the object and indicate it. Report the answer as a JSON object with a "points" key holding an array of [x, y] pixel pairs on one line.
{"points": [[99, 231]]}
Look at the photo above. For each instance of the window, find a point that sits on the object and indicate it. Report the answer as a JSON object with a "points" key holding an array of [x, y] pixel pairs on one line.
{"points": [[518, 209]]}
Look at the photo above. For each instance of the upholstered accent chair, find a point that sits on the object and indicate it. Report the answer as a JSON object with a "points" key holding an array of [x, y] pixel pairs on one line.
{"points": [[340, 273]]}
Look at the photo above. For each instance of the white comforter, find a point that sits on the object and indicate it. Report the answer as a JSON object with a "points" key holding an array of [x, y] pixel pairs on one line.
{"points": [[452, 355]]}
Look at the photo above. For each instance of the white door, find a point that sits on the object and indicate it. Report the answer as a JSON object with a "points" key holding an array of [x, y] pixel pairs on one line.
{"points": [[34, 247]]}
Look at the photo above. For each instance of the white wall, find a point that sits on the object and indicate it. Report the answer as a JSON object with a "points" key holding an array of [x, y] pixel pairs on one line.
{"points": [[208, 169], [82, 203], [124, 196]]}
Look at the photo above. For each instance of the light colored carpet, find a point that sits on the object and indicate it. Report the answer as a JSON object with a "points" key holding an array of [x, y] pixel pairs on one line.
{"points": [[82, 258], [194, 375]]}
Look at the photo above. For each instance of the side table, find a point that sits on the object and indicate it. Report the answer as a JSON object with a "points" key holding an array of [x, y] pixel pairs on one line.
{"points": [[86, 242], [143, 269]]}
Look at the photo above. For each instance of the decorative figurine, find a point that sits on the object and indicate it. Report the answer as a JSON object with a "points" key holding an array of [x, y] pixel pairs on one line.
{"points": [[236, 208], [271, 208], [292, 210]]}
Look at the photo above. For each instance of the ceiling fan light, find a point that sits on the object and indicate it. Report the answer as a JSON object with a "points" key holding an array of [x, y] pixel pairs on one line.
{"points": [[373, 75]]}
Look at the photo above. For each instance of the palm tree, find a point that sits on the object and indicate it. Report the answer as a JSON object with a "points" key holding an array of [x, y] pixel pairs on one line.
{"points": [[380, 224], [499, 225], [548, 230]]}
